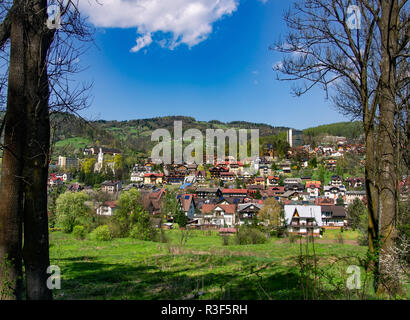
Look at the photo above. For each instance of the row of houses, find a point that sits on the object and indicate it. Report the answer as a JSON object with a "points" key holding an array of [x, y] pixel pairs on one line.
{"points": [[216, 208]]}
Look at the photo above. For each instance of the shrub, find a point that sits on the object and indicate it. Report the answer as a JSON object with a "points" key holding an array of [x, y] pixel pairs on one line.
{"points": [[79, 232], [248, 235], [102, 233], [115, 230], [279, 232], [71, 210], [143, 232]]}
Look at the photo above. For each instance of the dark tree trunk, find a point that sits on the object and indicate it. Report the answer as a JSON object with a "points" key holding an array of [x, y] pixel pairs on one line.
{"points": [[12, 166], [36, 242]]}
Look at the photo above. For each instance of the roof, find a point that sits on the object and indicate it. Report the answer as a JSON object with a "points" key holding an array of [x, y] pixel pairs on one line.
{"points": [[324, 201], [111, 204], [313, 185], [243, 206], [152, 201], [110, 183], [230, 200], [289, 193], [211, 190], [227, 208], [356, 192], [340, 187], [339, 211], [292, 180], [277, 189], [237, 191], [153, 174], [186, 201], [303, 212], [228, 174]]}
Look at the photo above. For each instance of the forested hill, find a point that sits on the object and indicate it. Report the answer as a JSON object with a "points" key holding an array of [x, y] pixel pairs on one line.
{"points": [[71, 134], [350, 130]]}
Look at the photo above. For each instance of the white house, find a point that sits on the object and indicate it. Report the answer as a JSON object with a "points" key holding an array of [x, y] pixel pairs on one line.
{"points": [[137, 176], [313, 188], [220, 215], [334, 192], [303, 219], [352, 195], [107, 209]]}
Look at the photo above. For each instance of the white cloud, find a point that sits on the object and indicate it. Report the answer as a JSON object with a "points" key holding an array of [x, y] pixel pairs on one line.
{"points": [[187, 21], [142, 42]]}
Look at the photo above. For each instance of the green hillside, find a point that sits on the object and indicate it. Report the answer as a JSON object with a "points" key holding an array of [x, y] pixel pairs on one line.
{"points": [[350, 130], [71, 134]]}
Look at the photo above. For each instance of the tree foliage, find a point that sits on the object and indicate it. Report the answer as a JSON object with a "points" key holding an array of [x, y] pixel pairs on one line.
{"points": [[72, 210]]}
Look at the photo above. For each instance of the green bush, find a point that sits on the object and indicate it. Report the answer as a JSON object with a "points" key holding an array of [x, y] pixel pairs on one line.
{"points": [[249, 235], [71, 210], [79, 232], [279, 232], [143, 232], [116, 230], [101, 233]]}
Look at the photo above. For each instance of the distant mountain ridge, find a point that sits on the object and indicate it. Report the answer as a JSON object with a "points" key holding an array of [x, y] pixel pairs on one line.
{"points": [[135, 135], [71, 134]]}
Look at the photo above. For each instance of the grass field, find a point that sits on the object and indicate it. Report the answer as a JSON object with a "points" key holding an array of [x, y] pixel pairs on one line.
{"points": [[203, 268], [77, 142]]}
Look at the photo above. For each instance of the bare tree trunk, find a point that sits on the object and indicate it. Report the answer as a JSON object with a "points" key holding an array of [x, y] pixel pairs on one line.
{"points": [[36, 242], [12, 166], [389, 25], [371, 191]]}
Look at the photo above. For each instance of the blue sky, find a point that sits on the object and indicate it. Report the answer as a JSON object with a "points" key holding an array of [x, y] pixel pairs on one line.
{"points": [[225, 74]]}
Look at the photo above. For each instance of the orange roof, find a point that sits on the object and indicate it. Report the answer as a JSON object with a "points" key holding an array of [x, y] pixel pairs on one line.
{"points": [[314, 182], [227, 208], [227, 174], [240, 191], [111, 204], [153, 174]]}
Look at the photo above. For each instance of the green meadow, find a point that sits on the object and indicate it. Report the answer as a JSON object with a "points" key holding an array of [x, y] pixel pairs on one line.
{"points": [[204, 268]]}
